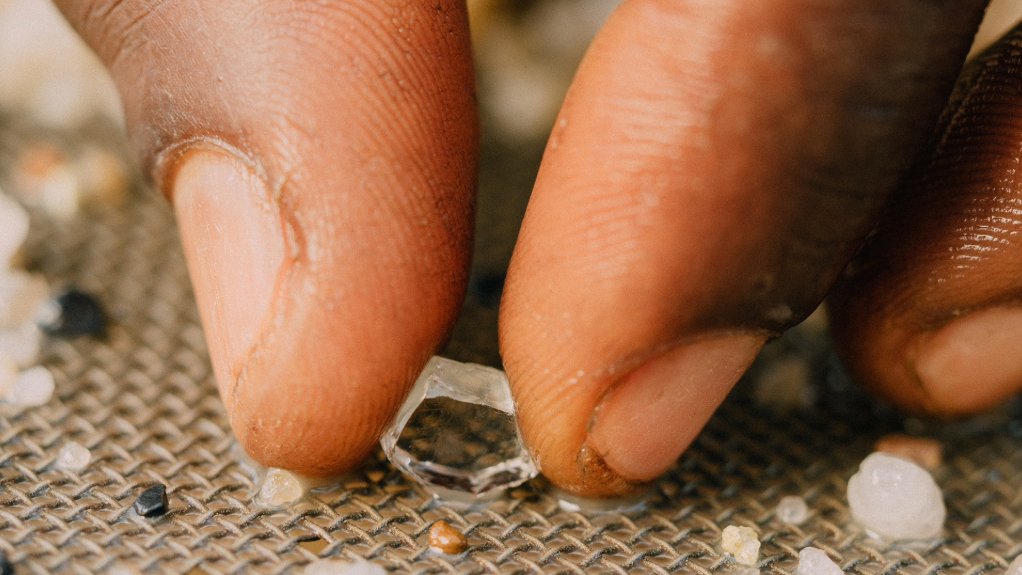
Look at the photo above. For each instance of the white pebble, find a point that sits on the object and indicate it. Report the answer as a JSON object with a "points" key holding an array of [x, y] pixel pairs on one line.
{"points": [[813, 561], [792, 509], [1015, 567], [742, 543], [896, 499], [32, 387], [343, 567], [73, 456], [280, 488]]}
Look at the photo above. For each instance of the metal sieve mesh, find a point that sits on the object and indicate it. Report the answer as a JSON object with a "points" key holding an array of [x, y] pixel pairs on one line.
{"points": [[144, 402]]}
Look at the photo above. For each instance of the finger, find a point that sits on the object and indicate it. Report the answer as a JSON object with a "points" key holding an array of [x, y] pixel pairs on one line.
{"points": [[712, 169], [320, 157], [931, 316]]}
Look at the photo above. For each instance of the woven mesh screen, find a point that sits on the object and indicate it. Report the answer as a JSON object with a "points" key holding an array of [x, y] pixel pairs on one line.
{"points": [[144, 402]]}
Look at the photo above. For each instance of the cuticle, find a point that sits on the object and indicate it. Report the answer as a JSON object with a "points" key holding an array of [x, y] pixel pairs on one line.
{"points": [[167, 160]]}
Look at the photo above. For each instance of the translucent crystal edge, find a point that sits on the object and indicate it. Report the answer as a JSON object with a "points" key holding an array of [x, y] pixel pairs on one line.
{"points": [[521, 466]]}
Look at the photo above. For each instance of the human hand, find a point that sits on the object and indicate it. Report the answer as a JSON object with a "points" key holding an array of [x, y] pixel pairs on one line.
{"points": [[714, 167]]}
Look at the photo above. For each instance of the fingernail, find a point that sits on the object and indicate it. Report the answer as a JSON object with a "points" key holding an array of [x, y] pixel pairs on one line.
{"points": [[973, 362], [234, 247], [648, 419]]}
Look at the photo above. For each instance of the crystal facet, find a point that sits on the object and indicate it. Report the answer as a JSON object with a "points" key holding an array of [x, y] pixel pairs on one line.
{"points": [[792, 509], [742, 543], [457, 432], [73, 456], [896, 499], [813, 561]]}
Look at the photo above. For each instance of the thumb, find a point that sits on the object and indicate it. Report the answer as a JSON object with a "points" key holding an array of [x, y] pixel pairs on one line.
{"points": [[320, 158]]}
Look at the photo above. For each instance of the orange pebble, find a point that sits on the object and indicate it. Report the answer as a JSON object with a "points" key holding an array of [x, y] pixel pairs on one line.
{"points": [[445, 538]]}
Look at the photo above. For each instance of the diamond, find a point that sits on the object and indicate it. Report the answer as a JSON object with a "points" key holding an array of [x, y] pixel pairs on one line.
{"points": [[457, 434]]}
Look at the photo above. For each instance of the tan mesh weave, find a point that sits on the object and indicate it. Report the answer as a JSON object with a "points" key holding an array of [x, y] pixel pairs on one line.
{"points": [[145, 404]]}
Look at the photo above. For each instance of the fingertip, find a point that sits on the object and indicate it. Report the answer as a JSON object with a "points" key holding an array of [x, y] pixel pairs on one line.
{"points": [[645, 422]]}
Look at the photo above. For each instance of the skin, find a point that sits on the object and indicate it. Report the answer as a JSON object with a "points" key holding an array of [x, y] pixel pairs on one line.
{"points": [[715, 166]]}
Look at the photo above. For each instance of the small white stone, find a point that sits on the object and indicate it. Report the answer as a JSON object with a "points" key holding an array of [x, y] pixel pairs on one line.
{"points": [[32, 387], [280, 488], [73, 456], [343, 567], [1015, 567], [813, 561], [792, 509], [896, 499], [742, 543]]}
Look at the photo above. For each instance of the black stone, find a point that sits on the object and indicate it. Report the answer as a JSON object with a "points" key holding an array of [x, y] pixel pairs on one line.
{"points": [[153, 501], [5, 566], [78, 313]]}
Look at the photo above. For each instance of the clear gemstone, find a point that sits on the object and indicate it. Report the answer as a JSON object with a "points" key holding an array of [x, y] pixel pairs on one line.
{"points": [[896, 499], [813, 561], [280, 488], [32, 387], [457, 431], [742, 543], [792, 509], [73, 456], [343, 567]]}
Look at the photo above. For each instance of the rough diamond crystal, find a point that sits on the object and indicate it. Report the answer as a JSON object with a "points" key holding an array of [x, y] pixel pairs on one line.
{"points": [[896, 499], [457, 431]]}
